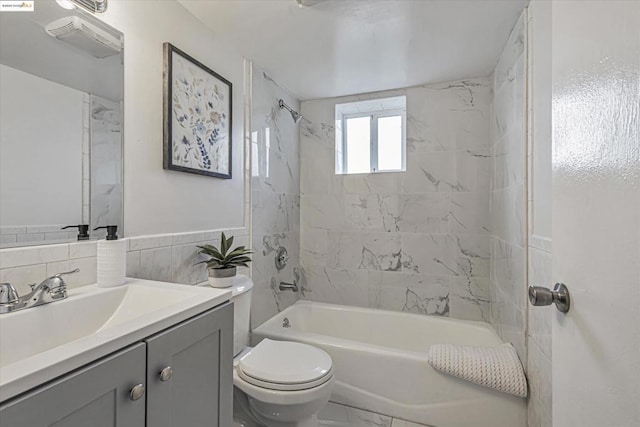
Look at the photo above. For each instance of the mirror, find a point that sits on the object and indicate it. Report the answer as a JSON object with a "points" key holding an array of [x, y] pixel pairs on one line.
{"points": [[61, 80]]}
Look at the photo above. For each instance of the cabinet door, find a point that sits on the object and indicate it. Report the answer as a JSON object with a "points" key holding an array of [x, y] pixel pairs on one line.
{"points": [[96, 395], [200, 354]]}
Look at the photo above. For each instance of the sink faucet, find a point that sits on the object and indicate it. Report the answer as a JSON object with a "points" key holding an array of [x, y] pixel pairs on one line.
{"points": [[50, 290]]}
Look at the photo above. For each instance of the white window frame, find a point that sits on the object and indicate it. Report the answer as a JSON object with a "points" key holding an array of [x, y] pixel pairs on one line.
{"points": [[373, 138]]}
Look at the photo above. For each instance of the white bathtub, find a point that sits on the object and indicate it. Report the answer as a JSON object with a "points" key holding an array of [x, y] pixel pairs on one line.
{"points": [[380, 363]]}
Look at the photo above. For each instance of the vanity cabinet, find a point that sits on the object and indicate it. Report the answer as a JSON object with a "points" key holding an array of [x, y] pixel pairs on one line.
{"points": [[96, 395], [185, 373], [195, 360]]}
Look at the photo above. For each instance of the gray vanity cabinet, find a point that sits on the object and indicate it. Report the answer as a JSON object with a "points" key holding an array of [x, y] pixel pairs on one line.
{"points": [[196, 390], [189, 372], [96, 395]]}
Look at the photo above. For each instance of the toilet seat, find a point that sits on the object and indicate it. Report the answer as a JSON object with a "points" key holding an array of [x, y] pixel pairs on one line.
{"points": [[285, 366], [285, 387]]}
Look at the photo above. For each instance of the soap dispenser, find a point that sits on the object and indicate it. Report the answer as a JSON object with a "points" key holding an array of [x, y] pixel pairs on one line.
{"points": [[112, 259], [83, 231]]}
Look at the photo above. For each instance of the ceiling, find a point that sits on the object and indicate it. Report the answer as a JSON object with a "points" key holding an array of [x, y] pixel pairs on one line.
{"points": [[341, 47]]}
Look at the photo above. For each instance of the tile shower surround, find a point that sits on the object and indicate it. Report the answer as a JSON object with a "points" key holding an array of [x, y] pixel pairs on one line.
{"points": [[275, 195], [539, 347], [415, 241], [105, 178], [508, 193], [163, 257]]}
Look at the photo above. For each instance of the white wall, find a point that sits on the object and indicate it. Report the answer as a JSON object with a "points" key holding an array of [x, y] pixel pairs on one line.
{"points": [[157, 200], [40, 151]]}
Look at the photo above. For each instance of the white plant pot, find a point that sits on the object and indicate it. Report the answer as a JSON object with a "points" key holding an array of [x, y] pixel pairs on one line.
{"points": [[222, 277]]}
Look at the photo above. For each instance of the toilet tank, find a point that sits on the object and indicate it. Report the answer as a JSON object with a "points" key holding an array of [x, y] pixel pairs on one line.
{"points": [[241, 298]]}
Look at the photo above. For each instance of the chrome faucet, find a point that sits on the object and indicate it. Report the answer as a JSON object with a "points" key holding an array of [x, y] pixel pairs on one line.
{"points": [[50, 290]]}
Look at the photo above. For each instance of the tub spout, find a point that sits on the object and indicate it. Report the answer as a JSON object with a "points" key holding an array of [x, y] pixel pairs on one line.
{"points": [[288, 287]]}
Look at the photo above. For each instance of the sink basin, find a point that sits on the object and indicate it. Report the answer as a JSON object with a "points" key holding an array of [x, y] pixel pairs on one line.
{"points": [[41, 343]]}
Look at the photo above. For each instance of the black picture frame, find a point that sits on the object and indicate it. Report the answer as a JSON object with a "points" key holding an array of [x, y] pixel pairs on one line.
{"points": [[178, 147]]}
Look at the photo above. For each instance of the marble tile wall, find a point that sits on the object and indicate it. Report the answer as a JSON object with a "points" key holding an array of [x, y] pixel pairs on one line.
{"points": [[275, 195], [164, 257], [539, 339], [106, 163], [415, 241], [86, 158], [509, 193], [539, 319]]}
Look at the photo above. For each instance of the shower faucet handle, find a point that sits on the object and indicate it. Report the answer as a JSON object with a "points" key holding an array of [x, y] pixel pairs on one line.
{"points": [[281, 258]]}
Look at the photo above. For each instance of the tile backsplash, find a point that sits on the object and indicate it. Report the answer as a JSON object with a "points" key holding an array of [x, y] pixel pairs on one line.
{"points": [[162, 257], [13, 236]]}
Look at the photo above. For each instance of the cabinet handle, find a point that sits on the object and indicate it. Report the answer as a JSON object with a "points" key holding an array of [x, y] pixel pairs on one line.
{"points": [[166, 374], [136, 392]]}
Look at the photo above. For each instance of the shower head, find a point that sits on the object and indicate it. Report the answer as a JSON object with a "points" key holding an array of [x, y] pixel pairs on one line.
{"points": [[294, 114]]}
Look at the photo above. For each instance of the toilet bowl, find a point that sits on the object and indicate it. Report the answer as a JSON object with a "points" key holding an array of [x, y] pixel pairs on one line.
{"points": [[283, 383]]}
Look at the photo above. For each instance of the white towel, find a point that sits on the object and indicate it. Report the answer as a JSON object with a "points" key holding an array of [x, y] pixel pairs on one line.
{"points": [[495, 367]]}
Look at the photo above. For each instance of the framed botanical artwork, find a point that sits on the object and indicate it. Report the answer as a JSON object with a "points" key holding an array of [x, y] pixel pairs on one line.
{"points": [[197, 116]]}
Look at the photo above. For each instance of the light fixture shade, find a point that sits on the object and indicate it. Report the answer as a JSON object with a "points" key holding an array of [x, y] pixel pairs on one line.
{"points": [[85, 36], [66, 4], [96, 6]]}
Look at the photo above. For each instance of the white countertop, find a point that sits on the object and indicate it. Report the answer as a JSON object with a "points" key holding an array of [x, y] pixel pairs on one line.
{"points": [[41, 343]]}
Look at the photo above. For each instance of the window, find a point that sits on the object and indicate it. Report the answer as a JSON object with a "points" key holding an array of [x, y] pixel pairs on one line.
{"points": [[370, 136]]}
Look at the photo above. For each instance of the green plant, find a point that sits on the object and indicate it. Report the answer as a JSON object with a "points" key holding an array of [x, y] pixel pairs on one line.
{"points": [[225, 257]]}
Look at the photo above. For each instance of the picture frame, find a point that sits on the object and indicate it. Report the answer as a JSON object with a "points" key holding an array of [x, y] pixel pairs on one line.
{"points": [[197, 117]]}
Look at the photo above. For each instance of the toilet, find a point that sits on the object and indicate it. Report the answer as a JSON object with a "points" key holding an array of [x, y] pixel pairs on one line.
{"points": [[280, 383]]}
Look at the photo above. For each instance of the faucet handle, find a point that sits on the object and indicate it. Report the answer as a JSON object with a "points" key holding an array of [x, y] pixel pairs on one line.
{"points": [[8, 294], [56, 281], [77, 270]]}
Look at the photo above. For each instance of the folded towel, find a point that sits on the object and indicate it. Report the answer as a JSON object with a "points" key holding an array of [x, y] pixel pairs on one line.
{"points": [[495, 367]]}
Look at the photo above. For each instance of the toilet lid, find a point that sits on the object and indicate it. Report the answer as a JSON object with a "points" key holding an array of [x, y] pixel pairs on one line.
{"points": [[273, 364]]}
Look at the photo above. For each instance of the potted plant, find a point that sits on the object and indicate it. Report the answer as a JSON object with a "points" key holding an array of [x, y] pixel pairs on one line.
{"points": [[223, 263]]}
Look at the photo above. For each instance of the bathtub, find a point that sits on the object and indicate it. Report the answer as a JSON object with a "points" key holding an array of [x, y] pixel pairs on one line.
{"points": [[380, 363]]}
